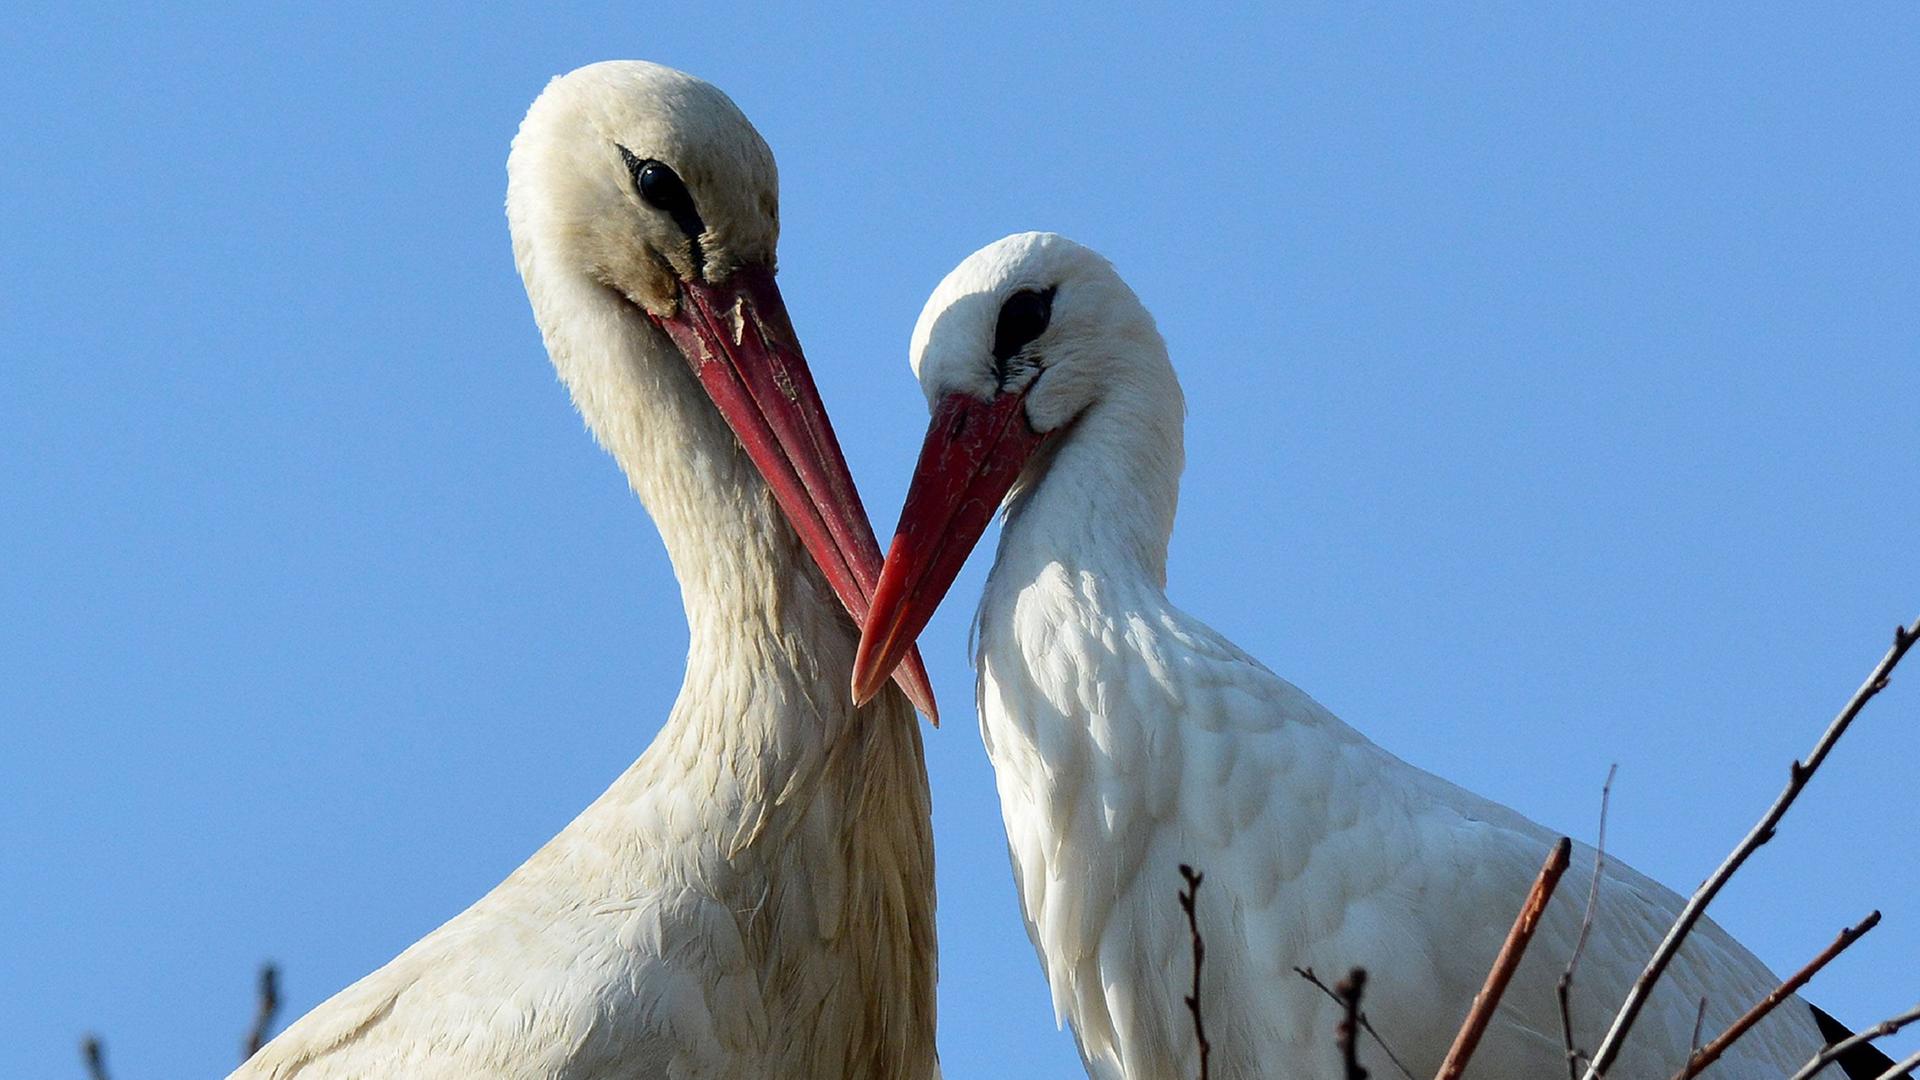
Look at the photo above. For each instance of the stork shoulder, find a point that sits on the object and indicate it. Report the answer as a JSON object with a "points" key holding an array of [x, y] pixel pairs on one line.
{"points": [[524, 983]]}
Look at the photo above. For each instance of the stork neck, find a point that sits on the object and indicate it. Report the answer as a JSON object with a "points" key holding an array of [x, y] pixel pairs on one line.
{"points": [[736, 558], [1104, 501]]}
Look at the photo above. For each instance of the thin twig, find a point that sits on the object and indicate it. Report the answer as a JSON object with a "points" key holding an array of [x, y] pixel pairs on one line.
{"points": [[1365, 1024], [94, 1053], [263, 1016], [1564, 989], [1699, 1021], [1797, 777], [1188, 897], [1349, 990], [1698, 1060], [1900, 1068], [1504, 964], [1833, 1050]]}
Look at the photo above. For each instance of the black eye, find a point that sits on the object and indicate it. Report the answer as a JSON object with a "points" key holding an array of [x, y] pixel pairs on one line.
{"points": [[1022, 318], [661, 188]]}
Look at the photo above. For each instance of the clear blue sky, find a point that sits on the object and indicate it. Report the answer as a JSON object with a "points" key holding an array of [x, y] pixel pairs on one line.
{"points": [[1554, 384]]}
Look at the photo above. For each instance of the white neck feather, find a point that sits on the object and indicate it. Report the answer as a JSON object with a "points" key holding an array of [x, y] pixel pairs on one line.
{"points": [[791, 800], [1102, 496], [768, 643], [734, 554]]}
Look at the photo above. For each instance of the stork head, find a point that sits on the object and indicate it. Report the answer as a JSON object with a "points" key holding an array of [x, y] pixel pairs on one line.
{"points": [[646, 178], [1020, 341], [649, 185]]}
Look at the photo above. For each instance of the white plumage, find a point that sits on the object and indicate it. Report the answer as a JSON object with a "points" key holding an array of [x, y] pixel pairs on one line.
{"points": [[754, 896], [1128, 738]]}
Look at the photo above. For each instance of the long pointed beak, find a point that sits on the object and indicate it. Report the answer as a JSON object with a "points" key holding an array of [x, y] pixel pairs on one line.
{"points": [[737, 337], [973, 453]]}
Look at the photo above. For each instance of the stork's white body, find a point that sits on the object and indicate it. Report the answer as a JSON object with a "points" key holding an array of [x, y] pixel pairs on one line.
{"points": [[1128, 738], [754, 896]]}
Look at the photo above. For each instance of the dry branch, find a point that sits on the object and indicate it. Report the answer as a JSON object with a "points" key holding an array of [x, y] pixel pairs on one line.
{"points": [[95, 1055], [1188, 897], [264, 1013], [1345, 1036], [1504, 964], [1365, 1024], [1698, 1061], [1832, 1051], [1797, 777], [1563, 990], [1900, 1068]]}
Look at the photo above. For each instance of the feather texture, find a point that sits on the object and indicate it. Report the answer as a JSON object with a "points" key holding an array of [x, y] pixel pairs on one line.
{"points": [[1128, 738], [754, 896]]}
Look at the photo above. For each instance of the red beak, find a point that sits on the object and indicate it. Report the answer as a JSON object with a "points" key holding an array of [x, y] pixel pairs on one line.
{"points": [[740, 343], [974, 452]]}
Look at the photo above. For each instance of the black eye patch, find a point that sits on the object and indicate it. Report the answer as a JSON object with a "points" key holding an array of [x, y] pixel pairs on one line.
{"points": [[1023, 317], [661, 188]]}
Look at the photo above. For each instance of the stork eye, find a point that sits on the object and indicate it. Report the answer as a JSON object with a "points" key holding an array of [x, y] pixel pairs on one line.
{"points": [[661, 188], [1023, 317]]}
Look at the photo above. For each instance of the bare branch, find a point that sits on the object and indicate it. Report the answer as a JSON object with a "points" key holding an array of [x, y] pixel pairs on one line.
{"points": [[1833, 1050], [1698, 1061], [1188, 897], [1365, 1024], [95, 1055], [1349, 990], [264, 1014], [1564, 988], [1506, 962], [1797, 777], [1900, 1068], [1699, 1021]]}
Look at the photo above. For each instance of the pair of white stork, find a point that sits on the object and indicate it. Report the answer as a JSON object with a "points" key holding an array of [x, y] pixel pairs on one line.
{"points": [[754, 896]]}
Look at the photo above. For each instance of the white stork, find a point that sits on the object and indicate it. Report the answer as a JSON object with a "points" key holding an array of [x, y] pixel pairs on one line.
{"points": [[1128, 738], [754, 896]]}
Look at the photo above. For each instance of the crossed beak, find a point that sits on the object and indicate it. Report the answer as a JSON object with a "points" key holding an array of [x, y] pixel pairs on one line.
{"points": [[974, 451], [740, 343]]}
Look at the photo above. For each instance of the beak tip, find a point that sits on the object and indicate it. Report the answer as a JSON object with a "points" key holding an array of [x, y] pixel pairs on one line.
{"points": [[864, 687], [918, 686], [867, 677], [870, 675]]}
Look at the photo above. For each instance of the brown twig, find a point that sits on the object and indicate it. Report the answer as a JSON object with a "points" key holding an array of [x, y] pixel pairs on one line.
{"points": [[263, 1016], [1563, 990], [1365, 1024], [1797, 777], [1832, 1051], [1506, 962], [1698, 1061], [94, 1053], [1188, 897], [1699, 1021], [1349, 990]]}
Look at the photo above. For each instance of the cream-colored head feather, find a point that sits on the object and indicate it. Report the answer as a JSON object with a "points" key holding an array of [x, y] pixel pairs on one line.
{"points": [[1100, 343], [571, 192]]}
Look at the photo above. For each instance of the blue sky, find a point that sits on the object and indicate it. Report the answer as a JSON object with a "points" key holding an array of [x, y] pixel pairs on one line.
{"points": [[1553, 398]]}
